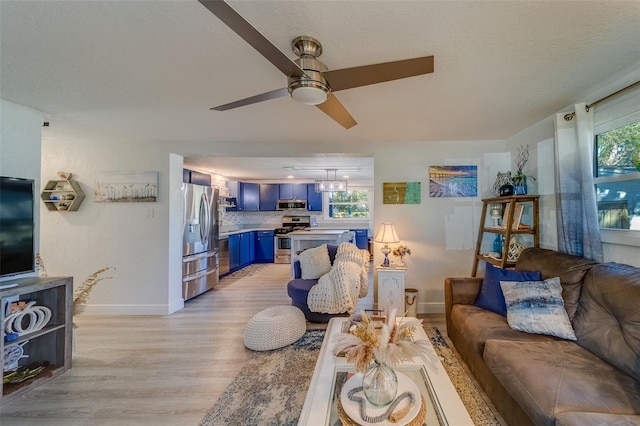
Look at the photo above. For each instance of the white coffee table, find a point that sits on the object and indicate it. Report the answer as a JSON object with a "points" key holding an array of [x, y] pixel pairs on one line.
{"points": [[443, 404]]}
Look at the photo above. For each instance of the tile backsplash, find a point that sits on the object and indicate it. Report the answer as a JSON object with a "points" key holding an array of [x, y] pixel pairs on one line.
{"points": [[239, 220]]}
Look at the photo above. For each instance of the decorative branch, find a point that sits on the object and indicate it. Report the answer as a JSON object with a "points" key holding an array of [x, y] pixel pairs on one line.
{"points": [[40, 266], [522, 158], [81, 295]]}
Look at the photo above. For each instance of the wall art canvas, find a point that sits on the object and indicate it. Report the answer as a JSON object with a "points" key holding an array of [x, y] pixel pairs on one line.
{"points": [[401, 193], [453, 181], [126, 187]]}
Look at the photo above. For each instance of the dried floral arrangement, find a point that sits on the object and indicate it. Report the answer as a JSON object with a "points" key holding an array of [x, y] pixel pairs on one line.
{"points": [[393, 343], [82, 293], [401, 251]]}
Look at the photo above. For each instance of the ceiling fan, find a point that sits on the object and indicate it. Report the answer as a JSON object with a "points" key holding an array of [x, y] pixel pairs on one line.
{"points": [[309, 80]]}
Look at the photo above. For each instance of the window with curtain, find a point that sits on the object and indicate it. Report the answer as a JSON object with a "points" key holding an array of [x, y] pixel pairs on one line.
{"points": [[351, 204], [617, 177]]}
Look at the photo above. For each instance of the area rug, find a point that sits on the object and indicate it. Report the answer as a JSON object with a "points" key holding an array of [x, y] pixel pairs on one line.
{"points": [[267, 392]]}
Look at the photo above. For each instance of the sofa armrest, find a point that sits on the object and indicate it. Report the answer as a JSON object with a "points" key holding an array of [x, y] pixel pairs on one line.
{"points": [[297, 271], [459, 290]]}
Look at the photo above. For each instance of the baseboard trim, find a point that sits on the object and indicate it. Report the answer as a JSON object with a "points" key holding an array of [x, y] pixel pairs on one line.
{"points": [[430, 308], [115, 310]]}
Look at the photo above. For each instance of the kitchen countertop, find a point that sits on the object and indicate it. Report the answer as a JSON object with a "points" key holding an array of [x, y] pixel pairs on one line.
{"points": [[225, 234], [317, 231]]}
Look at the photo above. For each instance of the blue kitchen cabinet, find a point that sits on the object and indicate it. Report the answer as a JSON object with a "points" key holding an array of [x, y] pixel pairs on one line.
{"points": [[198, 178], [234, 252], [269, 194], [362, 238], [314, 199], [247, 248], [250, 197], [247, 195], [242, 250], [293, 191], [265, 249]]}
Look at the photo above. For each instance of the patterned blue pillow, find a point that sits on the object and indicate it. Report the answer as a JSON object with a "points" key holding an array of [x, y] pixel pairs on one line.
{"points": [[490, 296], [537, 307]]}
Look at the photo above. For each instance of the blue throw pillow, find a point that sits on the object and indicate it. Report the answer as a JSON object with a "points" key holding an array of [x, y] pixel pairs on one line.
{"points": [[491, 297]]}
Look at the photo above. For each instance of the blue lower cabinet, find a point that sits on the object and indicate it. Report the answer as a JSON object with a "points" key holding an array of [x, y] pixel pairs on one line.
{"points": [[265, 249], [234, 252], [246, 248]]}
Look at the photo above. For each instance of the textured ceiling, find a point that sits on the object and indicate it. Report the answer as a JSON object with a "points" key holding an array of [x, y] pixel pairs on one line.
{"points": [[150, 70]]}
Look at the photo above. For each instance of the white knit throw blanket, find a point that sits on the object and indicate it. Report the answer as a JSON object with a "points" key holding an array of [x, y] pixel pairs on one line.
{"points": [[338, 290]]}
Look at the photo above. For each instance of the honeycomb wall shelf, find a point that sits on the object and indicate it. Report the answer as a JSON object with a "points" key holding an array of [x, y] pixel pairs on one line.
{"points": [[62, 195]]}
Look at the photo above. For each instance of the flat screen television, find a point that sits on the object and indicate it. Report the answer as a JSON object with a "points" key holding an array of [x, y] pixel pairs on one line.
{"points": [[16, 226]]}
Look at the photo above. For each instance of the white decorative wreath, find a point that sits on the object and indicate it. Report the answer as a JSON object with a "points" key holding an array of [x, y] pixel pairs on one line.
{"points": [[38, 317]]}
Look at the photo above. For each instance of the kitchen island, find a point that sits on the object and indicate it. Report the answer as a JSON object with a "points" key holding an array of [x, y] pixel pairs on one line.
{"points": [[313, 237]]}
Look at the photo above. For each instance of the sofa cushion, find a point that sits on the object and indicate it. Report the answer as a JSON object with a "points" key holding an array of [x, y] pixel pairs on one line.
{"points": [[314, 262], [491, 297], [608, 319], [297, 271], [537, 307], [478, 325], [570, 269], [548, 378]]}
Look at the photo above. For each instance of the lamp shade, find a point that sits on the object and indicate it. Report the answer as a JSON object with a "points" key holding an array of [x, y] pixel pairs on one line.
{"points": [[387, 234]]}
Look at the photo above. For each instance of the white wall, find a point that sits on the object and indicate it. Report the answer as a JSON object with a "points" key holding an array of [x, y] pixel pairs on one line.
{"points": [[20, 130], [141, 240], [441, 232]]}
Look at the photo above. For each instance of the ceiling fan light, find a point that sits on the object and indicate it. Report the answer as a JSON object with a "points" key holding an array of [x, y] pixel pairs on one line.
{"points": [[309, 95]]}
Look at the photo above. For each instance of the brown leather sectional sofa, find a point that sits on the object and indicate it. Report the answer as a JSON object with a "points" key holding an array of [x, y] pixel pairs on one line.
{"points": [[544, 380]]}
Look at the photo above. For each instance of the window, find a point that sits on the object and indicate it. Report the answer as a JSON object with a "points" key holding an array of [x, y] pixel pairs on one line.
{"points": [[352, 204], [617, 177]]}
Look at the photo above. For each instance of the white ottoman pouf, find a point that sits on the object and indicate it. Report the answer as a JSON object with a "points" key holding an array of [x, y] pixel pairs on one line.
{"points": [[274, 328]]}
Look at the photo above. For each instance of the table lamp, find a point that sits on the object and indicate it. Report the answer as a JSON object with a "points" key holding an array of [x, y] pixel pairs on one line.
{"points": [[387, 235]]}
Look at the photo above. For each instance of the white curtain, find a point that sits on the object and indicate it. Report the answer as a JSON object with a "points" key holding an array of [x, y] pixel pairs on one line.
{"points": [[578, 229]]}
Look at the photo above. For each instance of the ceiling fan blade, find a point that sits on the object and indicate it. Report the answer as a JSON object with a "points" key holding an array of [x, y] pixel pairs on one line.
{"points": [[349, 78], [334, 109], [253, 99], [244, 29]]}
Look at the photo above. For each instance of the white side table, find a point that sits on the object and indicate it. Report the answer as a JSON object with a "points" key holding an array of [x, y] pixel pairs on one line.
{"points": [[391, 289]]}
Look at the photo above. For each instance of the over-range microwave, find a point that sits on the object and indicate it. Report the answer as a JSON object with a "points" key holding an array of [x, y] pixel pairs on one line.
{"points": [[288, 205]]}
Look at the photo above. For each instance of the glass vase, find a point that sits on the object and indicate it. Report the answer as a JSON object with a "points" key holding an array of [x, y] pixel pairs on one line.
{"points": [[497, 244], [380, 384]]}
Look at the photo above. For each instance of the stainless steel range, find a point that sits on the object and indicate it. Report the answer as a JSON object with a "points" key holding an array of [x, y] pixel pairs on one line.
{"points": [[282, 241]]}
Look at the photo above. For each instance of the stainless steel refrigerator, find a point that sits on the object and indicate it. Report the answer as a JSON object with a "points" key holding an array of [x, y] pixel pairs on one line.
{"points": [[199, 240]]}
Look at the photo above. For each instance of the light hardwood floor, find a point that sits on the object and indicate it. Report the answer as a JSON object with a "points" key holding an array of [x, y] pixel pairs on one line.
{"points": [[160, 370]]}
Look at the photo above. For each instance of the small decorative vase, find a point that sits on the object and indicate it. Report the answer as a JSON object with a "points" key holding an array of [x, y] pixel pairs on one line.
{"points": [[380, 384], [401, 263], [520, 189], [520, 184], [497, 244]]}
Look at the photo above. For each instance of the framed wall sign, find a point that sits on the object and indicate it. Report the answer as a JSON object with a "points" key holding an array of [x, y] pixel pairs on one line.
{"points": [[453, 181], [401, 193], [126, 187]]}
